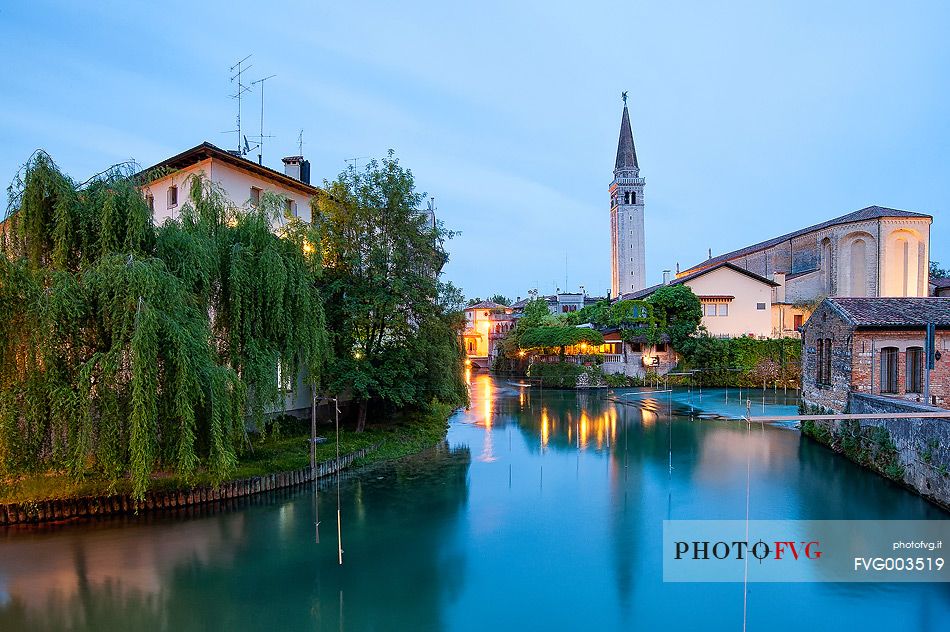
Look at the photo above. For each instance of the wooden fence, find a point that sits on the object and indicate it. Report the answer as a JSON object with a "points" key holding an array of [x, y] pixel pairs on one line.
{"points": [[117, 504]]}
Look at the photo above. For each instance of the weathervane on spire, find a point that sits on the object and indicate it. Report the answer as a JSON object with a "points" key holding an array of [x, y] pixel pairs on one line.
{"points": [[623, 95]]}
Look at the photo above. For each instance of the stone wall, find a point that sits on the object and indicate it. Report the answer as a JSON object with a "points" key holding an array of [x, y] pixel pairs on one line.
{"points": [[115, 504], [827, 324], [913, 452]]}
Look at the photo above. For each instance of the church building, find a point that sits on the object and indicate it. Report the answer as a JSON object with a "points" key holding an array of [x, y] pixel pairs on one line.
{"points": [[627, 248]]}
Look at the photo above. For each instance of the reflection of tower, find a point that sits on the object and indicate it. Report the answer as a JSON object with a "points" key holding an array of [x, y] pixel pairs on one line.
{"points": [[627, 248]]}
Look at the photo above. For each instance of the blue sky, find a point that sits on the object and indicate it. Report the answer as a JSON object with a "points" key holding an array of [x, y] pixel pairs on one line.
{"points": [[751, 118]]}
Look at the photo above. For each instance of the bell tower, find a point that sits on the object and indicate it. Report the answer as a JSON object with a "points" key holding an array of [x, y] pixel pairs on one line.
{"points": [[628, 257]]}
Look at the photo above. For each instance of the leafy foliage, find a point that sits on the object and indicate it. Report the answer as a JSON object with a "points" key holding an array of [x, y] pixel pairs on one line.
{"points": [[677, 312], [501, 299], [395, 327], [742, 361], [936, 272], [547, 337], [124, 347]]}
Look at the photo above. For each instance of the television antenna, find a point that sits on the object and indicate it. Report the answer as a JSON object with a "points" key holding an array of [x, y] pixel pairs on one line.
{"points": [[300, 143], [241, 89], [355, 161], [261, 136]]}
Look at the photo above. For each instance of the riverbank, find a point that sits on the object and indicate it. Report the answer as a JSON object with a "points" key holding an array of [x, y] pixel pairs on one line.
{"points": [[276, 461]]}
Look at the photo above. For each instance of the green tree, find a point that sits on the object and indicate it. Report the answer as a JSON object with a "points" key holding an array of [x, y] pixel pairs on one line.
{"points": [[558, 337], [125, 348], [677, 311], [936, 272], [384, 301], [501, 299]]}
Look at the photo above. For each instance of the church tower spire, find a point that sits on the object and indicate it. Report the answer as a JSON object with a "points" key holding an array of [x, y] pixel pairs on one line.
{"points": [[627, 243]]}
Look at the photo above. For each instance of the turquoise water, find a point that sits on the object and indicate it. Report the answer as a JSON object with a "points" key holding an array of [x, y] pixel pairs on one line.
{"points": [[541, 511]]}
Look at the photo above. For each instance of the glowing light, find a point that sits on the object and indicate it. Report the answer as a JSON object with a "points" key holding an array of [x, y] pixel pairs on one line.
{"points": [[583, 430], [545, 427], [307, 247], [521, 353]]}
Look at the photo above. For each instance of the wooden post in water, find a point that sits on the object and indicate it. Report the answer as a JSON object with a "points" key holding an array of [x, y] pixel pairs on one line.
{"points": [[339, 522]]}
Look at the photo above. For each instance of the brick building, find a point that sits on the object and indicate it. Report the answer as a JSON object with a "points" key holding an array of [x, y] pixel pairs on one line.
{"points": [[875, 346]]}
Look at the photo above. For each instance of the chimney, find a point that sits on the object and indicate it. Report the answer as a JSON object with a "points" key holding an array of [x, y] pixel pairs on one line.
{"points": [[666, 277], [297, 168], [778, 292]]}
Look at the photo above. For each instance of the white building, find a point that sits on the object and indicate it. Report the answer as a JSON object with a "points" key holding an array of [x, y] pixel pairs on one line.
{"points": [[242, 181], [627, 248], [165, 187], [735, 302]]}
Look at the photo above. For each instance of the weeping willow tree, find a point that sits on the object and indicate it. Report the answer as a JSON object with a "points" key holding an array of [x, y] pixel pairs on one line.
{"points": [[126, 348]]}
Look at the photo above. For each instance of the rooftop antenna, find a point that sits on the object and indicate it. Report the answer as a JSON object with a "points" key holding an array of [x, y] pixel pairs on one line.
{"points": [[565, 272], [261, 136], [241, 89], [355, 161], [300, 143]]}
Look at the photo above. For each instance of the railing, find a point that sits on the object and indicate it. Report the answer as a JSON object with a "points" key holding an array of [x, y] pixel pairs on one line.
{"points": [[613, 357]]}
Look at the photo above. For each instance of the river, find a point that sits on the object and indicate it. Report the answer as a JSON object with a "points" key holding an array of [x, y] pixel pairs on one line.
{"points": [[542, 510]]}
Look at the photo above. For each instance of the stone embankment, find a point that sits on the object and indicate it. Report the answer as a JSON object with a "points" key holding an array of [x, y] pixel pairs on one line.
{"points": [[913, 452]]}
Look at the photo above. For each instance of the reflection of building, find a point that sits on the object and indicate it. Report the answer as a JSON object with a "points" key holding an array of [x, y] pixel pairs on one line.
{"points": [[486, 324], [875, 346]]}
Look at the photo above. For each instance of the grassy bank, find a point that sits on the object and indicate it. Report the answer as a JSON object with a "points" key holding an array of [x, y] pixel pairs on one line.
{"points": [[277, 452]]}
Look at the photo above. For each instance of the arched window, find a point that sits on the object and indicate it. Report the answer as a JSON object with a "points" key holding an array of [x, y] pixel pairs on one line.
{"points": [[633, 197], [858, 276]]}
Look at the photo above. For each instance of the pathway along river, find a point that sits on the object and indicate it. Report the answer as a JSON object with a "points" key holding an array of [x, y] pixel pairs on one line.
{"points": [[541, 511]]}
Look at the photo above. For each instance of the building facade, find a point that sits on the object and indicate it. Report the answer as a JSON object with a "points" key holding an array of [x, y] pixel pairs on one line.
{"points": [[876, 346], [166, 184], [735, 302], [486, 324], [875, 251], [627, 239]]}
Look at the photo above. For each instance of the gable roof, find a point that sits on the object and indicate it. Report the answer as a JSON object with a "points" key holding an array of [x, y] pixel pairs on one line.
{"points": [[864, 214], [894, 313], [639, 294], [487, 305], [940, 283], [206, 150]]}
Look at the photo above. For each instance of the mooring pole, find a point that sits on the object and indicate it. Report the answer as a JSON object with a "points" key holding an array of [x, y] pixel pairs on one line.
{"points": [[339, 524]]}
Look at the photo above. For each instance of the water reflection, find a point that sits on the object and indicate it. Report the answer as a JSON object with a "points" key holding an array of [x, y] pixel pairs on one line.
{"points": [[555, 523], [253, 569]]}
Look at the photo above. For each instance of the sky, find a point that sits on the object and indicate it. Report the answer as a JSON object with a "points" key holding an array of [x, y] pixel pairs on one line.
{"points": [[751, 119]]}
